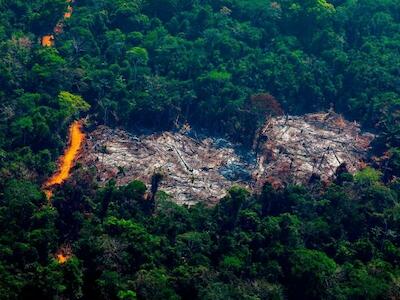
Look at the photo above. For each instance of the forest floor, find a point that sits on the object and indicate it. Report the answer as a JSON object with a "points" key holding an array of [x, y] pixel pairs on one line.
{"points": [[288, 150]]}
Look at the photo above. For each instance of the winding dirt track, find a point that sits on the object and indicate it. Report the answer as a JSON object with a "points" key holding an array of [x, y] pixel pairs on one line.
{"points": [[76, 135], [66, 161], [48, 40]]}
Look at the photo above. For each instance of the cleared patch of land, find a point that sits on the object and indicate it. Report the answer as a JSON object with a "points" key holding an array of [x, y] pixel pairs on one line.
{"points": [[289, 150], [192, 170], [292, 149]]}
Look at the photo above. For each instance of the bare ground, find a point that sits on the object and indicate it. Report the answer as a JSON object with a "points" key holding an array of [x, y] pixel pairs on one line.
{"points": [[289, 150]]}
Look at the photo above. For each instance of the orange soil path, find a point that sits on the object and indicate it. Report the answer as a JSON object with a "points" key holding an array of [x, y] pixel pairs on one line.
{"points": [[66, 162], [63, 254], [76, 138], [48, 40]]}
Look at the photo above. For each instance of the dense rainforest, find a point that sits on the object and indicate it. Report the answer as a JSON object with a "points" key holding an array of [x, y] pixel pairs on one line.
{"points": [[158, 64]]}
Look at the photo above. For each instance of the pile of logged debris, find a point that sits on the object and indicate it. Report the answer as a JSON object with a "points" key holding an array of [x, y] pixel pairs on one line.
{"points": [[289, 150], [297, 149]]}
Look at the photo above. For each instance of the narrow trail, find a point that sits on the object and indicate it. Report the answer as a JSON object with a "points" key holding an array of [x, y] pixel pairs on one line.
{"points": [[67, 160], [76, 135], [64, 254], [48, 40], [76, 138]]}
